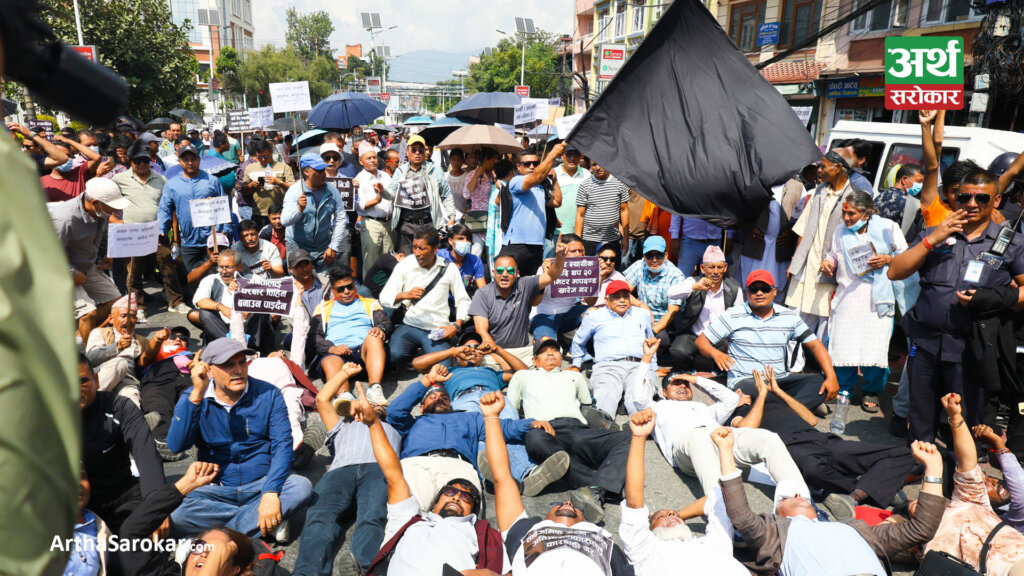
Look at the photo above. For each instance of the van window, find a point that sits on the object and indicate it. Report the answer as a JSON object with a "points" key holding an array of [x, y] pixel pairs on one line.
{"points": [[874, 155], [901, 154]]}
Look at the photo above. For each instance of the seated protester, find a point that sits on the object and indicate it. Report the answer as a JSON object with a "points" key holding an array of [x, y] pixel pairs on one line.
{"points": [[214, 299], [561, 542], [1007, 491], [88, 557], [163, 382], [469, 379], [619, 331], [421, 286], [116, 351], [791, 541], [350, 328], [470, 266], [683, 427], [309, 293], [707, 297], [441, 445], [215, 550], [759, 334], [260, 259], [660, 543], [449, 533], [608, 258], [597, 456], [554, 316], [652, 279], [208, 266], [275, 232], [501, 310], [113, 433], [850, 472], [254, 493], [353, 480], [969, 519]]}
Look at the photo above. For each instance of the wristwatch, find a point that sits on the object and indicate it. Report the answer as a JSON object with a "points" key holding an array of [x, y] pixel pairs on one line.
{"points": [[932, 480]]}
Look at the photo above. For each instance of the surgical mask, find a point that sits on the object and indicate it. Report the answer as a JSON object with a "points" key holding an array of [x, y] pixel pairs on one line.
{"points": [[915, 189], [462, 248], [856, 227], [65, 167], [95, 149], [652, 270]]}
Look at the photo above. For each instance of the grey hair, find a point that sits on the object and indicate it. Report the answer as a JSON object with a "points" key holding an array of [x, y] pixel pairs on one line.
{"points": [[234, 256], [862, 201]]}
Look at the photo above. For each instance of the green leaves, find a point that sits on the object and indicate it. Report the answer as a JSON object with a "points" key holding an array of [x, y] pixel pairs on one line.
{"points": [[309, 34], [261, 67], [499, 72]]}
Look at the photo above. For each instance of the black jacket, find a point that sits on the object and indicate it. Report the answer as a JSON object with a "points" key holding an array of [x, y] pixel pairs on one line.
{"points": [[112, 429], [991, 351], [143, 521]]}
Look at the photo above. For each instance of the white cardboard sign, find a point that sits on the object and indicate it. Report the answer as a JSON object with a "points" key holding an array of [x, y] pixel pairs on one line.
{"points": [[290, 96], [210, 211], [127, 240]]}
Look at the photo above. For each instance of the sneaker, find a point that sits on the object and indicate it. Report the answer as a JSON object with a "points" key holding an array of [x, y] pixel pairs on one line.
{"points": [[598, 419], [315, 433], [898, 426], [821, 410], [282, 533], [153, 419], [375, 394], [180, 308], [343, 404], [840, 506], [140, 317], [589, 500], [899, 500], [346, 565], [484, 466], [552, 469]]}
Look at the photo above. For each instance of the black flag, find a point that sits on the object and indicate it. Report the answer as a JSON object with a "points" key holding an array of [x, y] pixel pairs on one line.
{"points": [[692, 126]]}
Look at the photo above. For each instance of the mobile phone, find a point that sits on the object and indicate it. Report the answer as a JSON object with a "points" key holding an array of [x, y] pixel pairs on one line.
{"points": [[262, 180]]}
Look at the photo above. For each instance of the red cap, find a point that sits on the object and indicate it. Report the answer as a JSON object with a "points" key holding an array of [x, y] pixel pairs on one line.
{"points": [[617, 285], [761, 276]]}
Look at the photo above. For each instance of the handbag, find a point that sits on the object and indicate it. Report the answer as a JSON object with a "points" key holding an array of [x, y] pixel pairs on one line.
{"points": [[476, 221], [936, 563]]}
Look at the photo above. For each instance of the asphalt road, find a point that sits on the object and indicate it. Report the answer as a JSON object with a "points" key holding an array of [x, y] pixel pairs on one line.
{"points": [[665, 486]]}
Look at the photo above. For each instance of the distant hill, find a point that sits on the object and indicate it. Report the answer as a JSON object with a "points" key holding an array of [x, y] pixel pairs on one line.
{"points": [[427, 65]]}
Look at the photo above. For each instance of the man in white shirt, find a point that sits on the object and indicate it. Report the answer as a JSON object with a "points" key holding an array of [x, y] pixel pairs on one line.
{"points": [[661, 543], [373, 204], [422, 286], [707, 298], [684, 426], [259, 259], [214, 301]]}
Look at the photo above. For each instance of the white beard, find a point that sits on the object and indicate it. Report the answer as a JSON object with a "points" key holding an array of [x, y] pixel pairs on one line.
{"points": [[668, 533]]}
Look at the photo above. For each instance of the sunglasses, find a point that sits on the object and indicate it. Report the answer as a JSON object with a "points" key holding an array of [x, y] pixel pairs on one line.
{"points": [[531, 163], [140, 160], [331, 158], [760, 289], [415, 151], [560, 504], [510, 270], [654, 255], [467, 497], [345, 287], [606, 258], [180, 337], [980, 198]]}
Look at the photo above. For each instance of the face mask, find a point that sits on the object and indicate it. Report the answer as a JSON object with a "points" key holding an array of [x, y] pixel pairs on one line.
{"points": [[65, 167], [95, 149], [462, 248], [915, 189], [651, 270], [856, 227]]}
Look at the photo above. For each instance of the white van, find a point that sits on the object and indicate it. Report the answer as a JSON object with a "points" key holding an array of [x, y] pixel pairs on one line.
{"points": [[893, 144]]}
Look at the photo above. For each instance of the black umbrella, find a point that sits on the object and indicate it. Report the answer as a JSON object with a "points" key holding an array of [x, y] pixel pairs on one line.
{"points": [[160, 123], [442, 128], [487, 107], [293, 124], [10, 107], [188, 116]]}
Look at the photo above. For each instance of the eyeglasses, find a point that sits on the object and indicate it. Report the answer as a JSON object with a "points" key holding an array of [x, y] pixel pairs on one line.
{"points": [[760, 289], [331, 158], [980, 198], [531, 163], [345, 287], [510, 270], [654, 256], [606, 258], [180, 337], [466, 496]]}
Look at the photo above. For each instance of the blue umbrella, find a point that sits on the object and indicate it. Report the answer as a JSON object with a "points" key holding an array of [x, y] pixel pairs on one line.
{"points": [[488, 107], [215, 165], [419, 121], [345, 110], [442, 127], [309, 142]]}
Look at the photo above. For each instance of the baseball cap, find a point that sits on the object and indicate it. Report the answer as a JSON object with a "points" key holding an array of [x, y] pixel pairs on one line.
{"points": [[616, 286], [190, 149], [329, 147], [298, 256], [223, 349], [416, 139], [313, 160], [546, 342], [106, 191], [221, 239], [654, 244], [761, 276], [789, 488]]}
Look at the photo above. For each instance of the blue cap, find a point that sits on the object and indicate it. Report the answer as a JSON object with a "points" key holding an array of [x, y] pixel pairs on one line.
{"points": [[312, 160], [654, 244]]}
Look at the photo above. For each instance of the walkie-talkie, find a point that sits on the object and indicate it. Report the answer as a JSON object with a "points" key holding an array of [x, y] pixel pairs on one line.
{"points": [[994, 256]]}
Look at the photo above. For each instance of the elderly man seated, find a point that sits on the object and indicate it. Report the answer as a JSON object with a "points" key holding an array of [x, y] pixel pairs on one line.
{"points": [[215, 299]]}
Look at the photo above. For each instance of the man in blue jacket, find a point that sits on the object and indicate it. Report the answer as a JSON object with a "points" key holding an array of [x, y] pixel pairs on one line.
{"points": [[314, 215], [442, 445], [240, 424]]}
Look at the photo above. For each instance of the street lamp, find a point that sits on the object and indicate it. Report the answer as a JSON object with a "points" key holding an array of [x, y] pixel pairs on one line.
{"points": [[525, 27]]}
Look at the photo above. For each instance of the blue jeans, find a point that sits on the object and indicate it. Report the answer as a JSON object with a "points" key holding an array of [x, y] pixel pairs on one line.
{"points": [[551, 325], [517, 458], [406, 340], [334, 495], [691, 253], [874, 378], [236, 507]]}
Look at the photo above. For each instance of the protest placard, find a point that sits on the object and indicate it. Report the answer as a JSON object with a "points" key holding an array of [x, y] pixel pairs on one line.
{"points": [[540, 107], [261, 117], [565, 125], [209, 211], [127, 240], [523, 114], [346, 189], [264, 296], [290, 96], [45, 125], [412, 194], [581, 278], [238, 120]]}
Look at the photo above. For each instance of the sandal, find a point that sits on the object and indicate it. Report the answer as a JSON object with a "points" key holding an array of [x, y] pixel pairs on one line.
{"points": [[869, 403]]}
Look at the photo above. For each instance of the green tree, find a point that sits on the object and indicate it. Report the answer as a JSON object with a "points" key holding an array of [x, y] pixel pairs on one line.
{"points": [[262, 67], [448, 96], [227, 71], [309, 34], [139, 41], [499, 71]]}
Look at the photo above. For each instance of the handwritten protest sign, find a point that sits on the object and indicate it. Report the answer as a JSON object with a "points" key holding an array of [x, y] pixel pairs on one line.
{"points": [[257, 296], [412, 194], [261, 117], [290, 96], [238, 120], [127, 240], [540, 107], [210, 211], [346, 189], [523, 114], [565, 124], [581, 278]]}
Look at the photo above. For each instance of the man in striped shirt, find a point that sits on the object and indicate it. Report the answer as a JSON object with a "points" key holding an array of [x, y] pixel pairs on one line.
{"points": [[758, 334]]}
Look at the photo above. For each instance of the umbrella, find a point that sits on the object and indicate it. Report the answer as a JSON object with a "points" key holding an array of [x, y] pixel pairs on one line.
{"points": [[9, 106], [441, 128], [293, 124], [160, 123], [481, 136], [345, 110], [381, 128], [215, 165], [309, 142], [188, 116], [542, 131], [419, 121], [488, 107]]}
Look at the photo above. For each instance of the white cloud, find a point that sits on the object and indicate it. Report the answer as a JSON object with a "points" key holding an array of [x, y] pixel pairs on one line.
{"points": [[444, 25]]}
